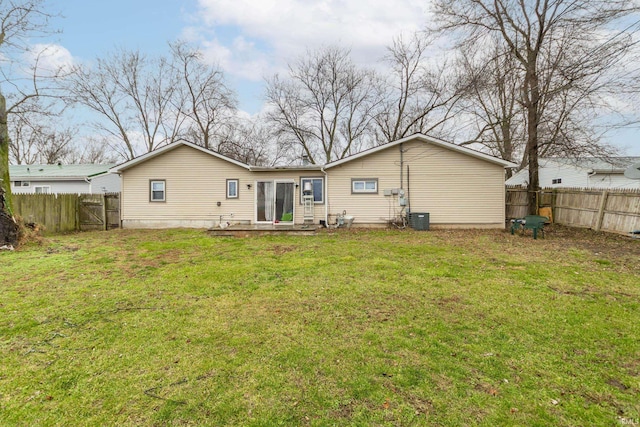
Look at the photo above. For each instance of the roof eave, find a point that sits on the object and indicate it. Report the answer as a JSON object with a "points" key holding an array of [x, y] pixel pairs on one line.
{"points": [[286, 168]]}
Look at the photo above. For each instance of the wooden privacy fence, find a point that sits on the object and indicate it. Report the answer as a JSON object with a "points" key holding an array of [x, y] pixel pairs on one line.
{"points": [[612, 210], [60, 213]]}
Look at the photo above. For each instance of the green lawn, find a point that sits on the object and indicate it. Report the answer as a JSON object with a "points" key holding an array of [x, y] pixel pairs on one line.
{"points": [[360, 328]]}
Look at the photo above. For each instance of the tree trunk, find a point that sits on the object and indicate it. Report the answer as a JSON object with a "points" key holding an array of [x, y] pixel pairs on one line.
{"points": [[8, 226], [533, 99], [507, 144]]}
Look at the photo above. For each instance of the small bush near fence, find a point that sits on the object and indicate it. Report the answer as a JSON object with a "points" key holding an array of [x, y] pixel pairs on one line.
{"points": [[61, 213], [616, 211]]}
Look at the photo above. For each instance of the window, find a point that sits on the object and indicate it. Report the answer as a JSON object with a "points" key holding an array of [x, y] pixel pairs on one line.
{"points": [[364, 185], [556, 181], [232, 189], [20, 183], [318, 189], [157, 191], [42, 189]]}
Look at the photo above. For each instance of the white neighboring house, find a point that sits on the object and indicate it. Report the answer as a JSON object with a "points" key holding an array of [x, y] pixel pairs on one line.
{"points": [[587, 172], [59, 179]]}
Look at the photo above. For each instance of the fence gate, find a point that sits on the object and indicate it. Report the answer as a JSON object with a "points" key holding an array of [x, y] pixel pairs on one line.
{"points": [[99, 211]]}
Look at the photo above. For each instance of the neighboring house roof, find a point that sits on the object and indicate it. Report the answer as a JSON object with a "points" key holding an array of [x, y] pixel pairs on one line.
{"points": [[150, 155], [576, 171], [126, 165], [56, 172], [427, 139], [595, 164]]}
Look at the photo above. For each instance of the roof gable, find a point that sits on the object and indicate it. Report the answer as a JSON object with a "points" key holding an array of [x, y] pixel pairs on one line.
{"points": [[167, 148], [426, 139]]}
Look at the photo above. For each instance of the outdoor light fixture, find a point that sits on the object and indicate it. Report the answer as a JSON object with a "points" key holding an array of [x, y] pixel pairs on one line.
{"points": [[248, 186]]}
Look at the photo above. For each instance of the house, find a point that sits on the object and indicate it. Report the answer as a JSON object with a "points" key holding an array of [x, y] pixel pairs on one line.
{"points": [[586, 172], [61, 178], [185, 185]]}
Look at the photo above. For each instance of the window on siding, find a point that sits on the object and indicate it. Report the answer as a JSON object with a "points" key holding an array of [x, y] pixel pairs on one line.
{"points": [[556, 181], [318, 189], [232, 189], [20, 183], [364, 185], [157, 191], [42, 189]]}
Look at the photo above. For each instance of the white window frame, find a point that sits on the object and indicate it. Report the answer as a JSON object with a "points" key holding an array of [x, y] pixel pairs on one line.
{"points": [[164, 190], [237, 183], [312, 178], [47, 189], [364, 189]]}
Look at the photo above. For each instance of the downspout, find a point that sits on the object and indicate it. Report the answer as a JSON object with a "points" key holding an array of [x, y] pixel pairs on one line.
{"points": [[326, 198], [408, 190], [401, 166], [589, 175], [119, 199]]}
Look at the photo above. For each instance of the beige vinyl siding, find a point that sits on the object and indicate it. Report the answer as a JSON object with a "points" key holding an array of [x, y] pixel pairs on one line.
{"points": [[195, 182], [455, 188]]}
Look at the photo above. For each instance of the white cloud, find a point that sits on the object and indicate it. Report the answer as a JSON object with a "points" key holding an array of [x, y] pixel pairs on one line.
{"points": [[241, 58], [255, 38], [50, 59]]}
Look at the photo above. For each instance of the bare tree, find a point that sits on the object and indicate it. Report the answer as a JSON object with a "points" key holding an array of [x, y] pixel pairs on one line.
{"points": [[56, 146], [564, 48], [24, 136], [253, 141], [419, 94], [205, 101], [492, 102], [37, 135], [41, 144], [324, 108], [135, 98], [95, 150], [20, 22]]}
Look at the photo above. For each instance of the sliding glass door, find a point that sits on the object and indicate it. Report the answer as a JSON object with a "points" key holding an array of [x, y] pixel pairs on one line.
{"points": [[274, 202]]}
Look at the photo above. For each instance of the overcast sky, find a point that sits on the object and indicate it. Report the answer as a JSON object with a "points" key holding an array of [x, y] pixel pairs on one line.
{"points": [[248, 39]]}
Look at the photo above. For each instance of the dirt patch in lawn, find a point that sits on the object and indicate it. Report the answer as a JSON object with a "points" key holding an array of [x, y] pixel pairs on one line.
{"points": [[604, 246], [607, 245]]}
